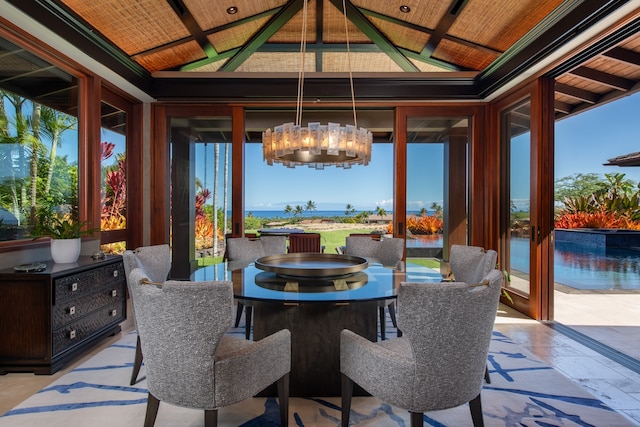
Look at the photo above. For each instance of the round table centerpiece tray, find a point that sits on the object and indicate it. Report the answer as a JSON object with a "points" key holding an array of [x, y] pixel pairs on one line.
{"points": [[312, 265]]}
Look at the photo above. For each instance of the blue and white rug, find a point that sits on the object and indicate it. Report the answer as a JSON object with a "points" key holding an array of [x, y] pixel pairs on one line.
{"points": [[523, 392]]}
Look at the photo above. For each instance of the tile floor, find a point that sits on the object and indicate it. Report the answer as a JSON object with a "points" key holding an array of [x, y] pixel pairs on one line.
{"points": [[615, 384]]}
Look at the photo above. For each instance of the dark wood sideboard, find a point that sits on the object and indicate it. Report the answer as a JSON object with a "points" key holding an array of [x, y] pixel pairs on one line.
{"points": [[51, 316]]}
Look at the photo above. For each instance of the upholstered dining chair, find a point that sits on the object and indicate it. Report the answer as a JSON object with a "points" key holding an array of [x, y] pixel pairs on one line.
{"points": [[156, 260], [190, 360], [440, 360], [470, 264], [305, 242], [248, 249], [388, 252]]}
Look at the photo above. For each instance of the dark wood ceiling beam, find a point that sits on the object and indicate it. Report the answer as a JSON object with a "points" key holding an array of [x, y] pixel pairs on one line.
{"points": [[601, 77], [421, 29], [577, 93], [443, 27], [192, 26], [430, 60], [319, 32], [320, 89], [562, 107], [271, 27], [621, 54], [363, 24]]}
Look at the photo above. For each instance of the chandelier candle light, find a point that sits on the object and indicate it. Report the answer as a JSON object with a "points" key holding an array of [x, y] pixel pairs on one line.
{"points": [[317, 145]]}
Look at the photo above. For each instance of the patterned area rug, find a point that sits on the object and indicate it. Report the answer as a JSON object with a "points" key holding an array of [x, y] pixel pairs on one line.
{"points": [[523, 392]]}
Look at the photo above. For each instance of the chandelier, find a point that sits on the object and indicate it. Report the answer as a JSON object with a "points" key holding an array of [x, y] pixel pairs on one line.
{"points": [[317, 145]]}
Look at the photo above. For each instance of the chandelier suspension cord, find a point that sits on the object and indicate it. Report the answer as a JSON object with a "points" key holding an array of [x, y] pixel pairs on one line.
{"points": [[303, 51], [346, 32]]}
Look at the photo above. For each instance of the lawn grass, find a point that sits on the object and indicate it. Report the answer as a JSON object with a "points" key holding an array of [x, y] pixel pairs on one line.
{"points": [[330, 240]]}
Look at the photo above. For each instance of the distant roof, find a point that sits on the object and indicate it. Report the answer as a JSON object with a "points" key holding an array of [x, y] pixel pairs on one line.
{"points": [[631, 159]]}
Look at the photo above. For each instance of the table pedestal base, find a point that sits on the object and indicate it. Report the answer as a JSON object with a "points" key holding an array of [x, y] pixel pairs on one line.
{"points": [[315, 340]]}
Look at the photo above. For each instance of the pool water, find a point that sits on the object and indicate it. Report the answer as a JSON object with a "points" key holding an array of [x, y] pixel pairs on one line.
{"points": [[577, 266], [586, 267]]}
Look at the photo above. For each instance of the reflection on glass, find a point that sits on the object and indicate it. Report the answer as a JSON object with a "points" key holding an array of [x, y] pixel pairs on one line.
{"points": [[39, 143], [517, 124], [435, 147], [113, 215]]}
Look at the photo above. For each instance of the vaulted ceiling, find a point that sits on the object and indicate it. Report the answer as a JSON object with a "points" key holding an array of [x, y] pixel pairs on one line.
{"points": [[398, 49]]}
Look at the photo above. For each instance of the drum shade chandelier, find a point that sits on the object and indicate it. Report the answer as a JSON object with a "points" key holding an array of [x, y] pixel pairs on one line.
{"points": [[317, 145]]}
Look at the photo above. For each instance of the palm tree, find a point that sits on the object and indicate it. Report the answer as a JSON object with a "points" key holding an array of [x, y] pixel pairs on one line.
{"points": [[380, 211], [423, 211], [311, 206], [288, 210], [349, 210], [298, 210], [437, 209], [54, 123]]}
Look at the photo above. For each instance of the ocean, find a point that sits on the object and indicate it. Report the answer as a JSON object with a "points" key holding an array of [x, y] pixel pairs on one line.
{"points": [[310, 214]]}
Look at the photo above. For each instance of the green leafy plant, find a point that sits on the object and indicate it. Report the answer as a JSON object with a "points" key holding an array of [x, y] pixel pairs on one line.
{"points": [[63, 228]]}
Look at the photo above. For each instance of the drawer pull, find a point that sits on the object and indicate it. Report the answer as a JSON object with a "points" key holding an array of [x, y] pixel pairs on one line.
{"points": [[114, 293], [72, 310], [115, 273], [113, 313], [74, 286], [72, 334]]}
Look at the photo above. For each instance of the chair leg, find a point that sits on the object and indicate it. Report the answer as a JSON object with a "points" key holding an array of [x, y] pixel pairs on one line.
{"points": [[247, 321], [487, 378], [137, 362], [152, 410], [394, 321], [239, 307], [383, 325], [475, 406], [347, 393], [417, 419], [211, 418], [392, 314], [283, 399]]}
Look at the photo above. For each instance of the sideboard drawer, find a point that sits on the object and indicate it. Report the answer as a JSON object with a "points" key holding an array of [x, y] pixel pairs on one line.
{"points": [[71, 310], [75, 332]]}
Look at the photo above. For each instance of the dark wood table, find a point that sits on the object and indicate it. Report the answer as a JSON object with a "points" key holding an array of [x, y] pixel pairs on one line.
{"points": [[315, 311]]}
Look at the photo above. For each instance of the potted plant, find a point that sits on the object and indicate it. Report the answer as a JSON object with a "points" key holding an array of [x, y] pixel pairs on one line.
{"points": [[66, 237]]}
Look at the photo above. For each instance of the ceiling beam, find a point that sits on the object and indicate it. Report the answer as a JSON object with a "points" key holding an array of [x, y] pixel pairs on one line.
{"points": [[443, 27], [601, 77], [380, 40], [577, 93], [274, 24], [192, 26], [621, 54]]}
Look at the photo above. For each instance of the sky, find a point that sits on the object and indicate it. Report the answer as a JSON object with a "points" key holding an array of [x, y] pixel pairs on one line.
{"points": [[582, 144]]}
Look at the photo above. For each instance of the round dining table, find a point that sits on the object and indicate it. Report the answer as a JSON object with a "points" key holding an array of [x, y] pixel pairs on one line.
{"points": [[315, 305]]}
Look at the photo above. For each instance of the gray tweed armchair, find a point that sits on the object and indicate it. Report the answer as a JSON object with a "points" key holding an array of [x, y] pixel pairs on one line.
{"points": [[189, 358], [440, 360], [470, 264], [156, 261], [245, 250], [389, 252]]}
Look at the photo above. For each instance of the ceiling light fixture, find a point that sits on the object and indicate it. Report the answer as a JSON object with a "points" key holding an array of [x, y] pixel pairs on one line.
{"points": [[405, 9], [232, 10], [317, 145]]}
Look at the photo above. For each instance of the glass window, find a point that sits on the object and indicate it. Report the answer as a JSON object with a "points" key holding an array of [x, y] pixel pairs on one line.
{"points": [[38, 143]]}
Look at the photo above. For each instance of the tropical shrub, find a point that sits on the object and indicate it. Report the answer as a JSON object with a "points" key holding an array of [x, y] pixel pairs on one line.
{"points": [[421, 225]]}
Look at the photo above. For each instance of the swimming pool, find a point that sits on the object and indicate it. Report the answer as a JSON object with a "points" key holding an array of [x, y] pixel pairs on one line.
{"points": [[577, 266], [586, 267]]}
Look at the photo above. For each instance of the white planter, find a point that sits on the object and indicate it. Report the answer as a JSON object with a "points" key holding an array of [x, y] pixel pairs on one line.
{"points": [[65, 251]]}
